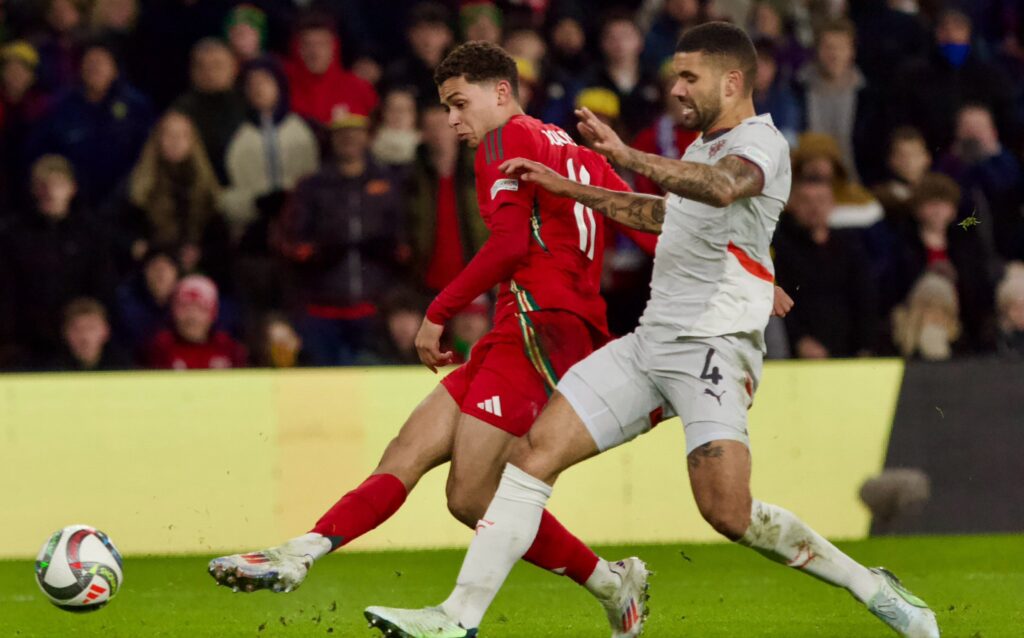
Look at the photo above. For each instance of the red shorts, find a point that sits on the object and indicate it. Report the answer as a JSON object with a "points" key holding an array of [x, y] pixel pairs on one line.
{"points": [[512, 371]]}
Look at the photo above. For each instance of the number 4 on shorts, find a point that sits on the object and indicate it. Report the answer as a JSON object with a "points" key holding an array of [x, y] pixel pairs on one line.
{"points": [[713, 375]]}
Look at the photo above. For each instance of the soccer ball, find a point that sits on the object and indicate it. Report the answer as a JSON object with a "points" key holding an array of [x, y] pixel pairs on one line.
{"points": [[79, 569]]}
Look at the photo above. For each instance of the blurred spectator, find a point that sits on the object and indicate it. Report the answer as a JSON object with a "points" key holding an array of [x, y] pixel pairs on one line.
{"points": [[480, 20], [320, 87], [341, 233], [429, 35], [100, 126], [928, 93], [246, 32], [86, 338], [908, 161], [568, 65], [817, 157], [270, 151], [769, 25], [144, 300], [838, 102], [278, 344], [58, 45], [888, 32], [397, 137], [568, 54], [774, 94], [928, 324], [666, 136], [470, 326], [173, 195], [675, 17], [48, 258], [526, 43], [402, 314], [604, 103], [827, 273], [444, 223], [166, 33], [529, 81], [936, 243], [991, 180], [22, 105], [1010, 304], [214, 104], [193, 343], [636, 87], [113, 22]]}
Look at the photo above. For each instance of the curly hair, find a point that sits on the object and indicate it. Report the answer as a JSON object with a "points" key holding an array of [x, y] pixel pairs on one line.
{"points": [[478, 62]]}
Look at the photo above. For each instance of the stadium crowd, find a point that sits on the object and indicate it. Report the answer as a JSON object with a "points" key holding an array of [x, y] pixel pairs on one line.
{"points": [[213, 183]]}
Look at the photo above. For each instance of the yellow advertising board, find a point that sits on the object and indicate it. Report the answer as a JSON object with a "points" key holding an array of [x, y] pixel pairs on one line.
{"points": [[204, 462]]}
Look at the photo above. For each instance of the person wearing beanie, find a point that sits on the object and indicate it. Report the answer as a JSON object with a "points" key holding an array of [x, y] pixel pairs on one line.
{"points": [[480, 20], [246, 32], [193, 343], [22, 105]]}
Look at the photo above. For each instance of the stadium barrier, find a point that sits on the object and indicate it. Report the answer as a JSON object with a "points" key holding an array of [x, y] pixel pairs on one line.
{"points": [[204, 462]]}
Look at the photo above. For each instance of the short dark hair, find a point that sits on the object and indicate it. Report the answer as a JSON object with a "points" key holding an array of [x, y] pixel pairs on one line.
{"points": [[906, 134], [936, 187], [431, 13], [842, 26], [478, 62], [723, 40]]}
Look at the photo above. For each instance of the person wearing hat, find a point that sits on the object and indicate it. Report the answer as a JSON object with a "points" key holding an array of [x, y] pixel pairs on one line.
{"points": [[192, 342], [342, 236], [246, 32], [22, 105], [480, 20], [47, 258]]}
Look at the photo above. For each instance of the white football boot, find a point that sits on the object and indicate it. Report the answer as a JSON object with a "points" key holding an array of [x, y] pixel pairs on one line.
{"points": [[894, 605], [280, 569], [626, 607], [430, 622]]}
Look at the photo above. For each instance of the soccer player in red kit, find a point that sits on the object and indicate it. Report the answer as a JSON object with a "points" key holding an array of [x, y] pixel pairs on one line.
{"points": [[544, 253]]}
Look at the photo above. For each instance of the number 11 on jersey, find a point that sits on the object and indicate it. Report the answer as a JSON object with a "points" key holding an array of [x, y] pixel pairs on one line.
{"points": [[584, 216]]}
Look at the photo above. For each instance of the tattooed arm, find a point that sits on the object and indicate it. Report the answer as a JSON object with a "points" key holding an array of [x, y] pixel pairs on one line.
{"points": [[717, 185], [642, 212]]}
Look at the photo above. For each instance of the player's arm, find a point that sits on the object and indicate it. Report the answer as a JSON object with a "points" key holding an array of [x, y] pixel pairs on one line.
{"points": [[635, 210], [717, 185], [494, 263]]}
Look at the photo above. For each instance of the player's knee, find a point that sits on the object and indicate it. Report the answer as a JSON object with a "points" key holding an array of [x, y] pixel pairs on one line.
{"points": [[730, 522], [466, 507]]}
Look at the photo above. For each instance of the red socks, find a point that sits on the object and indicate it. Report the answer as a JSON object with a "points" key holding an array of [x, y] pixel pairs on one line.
{"points": [[362, 509], [558, 551]]}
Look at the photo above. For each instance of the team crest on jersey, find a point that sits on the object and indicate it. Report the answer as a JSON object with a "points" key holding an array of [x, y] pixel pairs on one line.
{"points": [[504, 185], [715, 148]]}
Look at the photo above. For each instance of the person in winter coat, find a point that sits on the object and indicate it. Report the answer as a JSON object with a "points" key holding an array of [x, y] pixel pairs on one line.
{"points": [[193, 342], [270, 151]]}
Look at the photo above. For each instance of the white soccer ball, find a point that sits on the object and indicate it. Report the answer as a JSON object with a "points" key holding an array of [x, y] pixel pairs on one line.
{"points": [[79, 569]]}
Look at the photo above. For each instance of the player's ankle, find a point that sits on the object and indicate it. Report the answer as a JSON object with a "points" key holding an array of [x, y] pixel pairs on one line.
{"points": [[604, 582], [312, 544]]}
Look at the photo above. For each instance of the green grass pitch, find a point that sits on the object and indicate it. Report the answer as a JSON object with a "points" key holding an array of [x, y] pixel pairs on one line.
{"points": [[975, 585]]}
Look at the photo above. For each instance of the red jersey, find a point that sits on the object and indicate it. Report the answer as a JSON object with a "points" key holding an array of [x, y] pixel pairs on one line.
{"points": [[545, 251], [168, 351]]}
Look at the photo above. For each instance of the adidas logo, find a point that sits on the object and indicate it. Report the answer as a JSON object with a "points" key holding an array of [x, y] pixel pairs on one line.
{"points": [[491, 406]]}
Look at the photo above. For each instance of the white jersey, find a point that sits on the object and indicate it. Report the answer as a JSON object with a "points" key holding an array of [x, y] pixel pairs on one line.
{"points": [[713, 273]]}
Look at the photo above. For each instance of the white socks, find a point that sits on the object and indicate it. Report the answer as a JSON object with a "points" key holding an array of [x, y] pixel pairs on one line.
{"points": [[503, 535], [603, 583], [782, 537]]}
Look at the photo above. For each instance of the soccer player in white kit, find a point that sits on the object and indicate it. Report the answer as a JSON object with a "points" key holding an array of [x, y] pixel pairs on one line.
{"points": [[698, 349]]}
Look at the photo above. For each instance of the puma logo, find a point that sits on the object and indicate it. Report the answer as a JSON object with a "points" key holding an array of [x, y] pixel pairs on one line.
{"points": [[718, 397]]}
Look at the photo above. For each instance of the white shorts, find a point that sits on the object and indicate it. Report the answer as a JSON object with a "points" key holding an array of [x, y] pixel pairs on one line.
{"points": [[708, 382]]}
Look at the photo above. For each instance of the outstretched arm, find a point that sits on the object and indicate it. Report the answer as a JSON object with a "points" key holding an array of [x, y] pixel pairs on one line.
{"points": [[642, 212], [717, 185]]}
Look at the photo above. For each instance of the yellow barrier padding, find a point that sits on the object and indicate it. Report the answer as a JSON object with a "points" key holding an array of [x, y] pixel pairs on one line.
{"points": [[204, 462]]}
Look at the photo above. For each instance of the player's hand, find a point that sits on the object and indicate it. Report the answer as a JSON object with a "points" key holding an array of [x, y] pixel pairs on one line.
{"points": [[428, 346], [783, 303], [601, 137], [541, 175]]}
